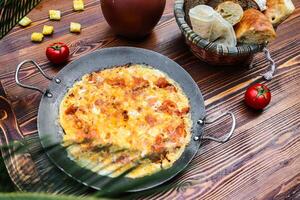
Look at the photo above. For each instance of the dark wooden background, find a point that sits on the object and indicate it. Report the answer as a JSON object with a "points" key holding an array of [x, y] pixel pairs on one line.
{"points": [[261, 161]]}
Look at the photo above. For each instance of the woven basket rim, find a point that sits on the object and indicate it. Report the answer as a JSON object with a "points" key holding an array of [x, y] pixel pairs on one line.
{"points": [[193, 37]]}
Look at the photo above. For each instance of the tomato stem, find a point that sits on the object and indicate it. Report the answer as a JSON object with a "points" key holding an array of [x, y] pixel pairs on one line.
{"points": [[261, 91], [56, 47]]}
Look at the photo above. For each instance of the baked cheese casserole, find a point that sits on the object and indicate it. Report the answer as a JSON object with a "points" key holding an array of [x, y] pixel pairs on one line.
{"points": [[126, 116]]}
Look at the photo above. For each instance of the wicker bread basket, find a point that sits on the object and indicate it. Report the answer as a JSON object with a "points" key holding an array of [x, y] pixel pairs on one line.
{"points": [[210, 52]]}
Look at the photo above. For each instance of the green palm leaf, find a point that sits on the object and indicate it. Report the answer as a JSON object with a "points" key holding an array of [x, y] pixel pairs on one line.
{"points": [[12, 11], [111, 189], [36, 196]]}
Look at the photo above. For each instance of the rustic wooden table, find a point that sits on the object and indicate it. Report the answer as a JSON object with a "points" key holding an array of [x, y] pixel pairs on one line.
{"points": [[261, 161]]}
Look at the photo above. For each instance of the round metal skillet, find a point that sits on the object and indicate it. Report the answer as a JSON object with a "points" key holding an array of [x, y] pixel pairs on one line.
{"points": [[48, 126]]}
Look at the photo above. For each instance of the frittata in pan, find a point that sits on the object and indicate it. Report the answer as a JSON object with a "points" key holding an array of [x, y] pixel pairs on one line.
{"points": [[126, 115]]}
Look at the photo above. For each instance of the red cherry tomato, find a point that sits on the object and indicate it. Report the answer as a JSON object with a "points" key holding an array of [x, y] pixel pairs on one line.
{"points": [[258, 96], [58, 53]]}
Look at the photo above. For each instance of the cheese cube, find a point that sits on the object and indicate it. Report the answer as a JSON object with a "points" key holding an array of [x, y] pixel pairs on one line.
{"points": [[78, 5], [37, 37], [48, 30], [54, 14], [75, 27], [25, 21]]}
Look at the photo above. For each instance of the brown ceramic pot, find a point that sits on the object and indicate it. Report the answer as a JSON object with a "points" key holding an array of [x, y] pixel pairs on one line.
{"points": [[133, 18]]}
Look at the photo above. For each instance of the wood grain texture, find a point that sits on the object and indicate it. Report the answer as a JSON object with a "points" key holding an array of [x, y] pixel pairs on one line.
{"points": [[261, 161]]}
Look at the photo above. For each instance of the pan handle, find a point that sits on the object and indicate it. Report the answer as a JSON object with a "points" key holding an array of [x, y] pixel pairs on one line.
{"points": [[47, 93], [225, 137]]}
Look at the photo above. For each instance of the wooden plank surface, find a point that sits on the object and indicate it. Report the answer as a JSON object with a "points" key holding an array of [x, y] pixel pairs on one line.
{"points": [[261, 161]]}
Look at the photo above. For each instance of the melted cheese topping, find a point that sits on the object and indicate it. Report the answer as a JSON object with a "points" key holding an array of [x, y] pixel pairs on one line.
{"points": [[126, 114]]}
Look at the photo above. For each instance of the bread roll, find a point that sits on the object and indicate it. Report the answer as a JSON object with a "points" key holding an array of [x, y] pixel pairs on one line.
{"points": [[254, 28], [230, 11], [278, 10]]}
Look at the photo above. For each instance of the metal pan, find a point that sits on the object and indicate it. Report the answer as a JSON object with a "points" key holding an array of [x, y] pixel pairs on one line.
{"points": [[49, 128]]}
